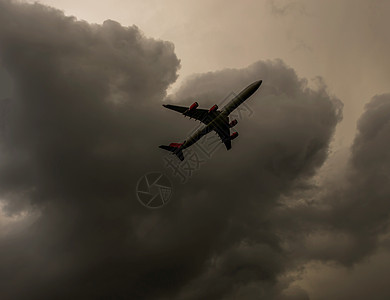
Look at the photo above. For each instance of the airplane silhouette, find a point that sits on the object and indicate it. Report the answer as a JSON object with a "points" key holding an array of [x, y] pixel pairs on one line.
{"points": [[214, 119]]}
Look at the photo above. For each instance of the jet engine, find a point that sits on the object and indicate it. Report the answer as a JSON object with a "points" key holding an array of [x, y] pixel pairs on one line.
{"points": [[233, 123], [213, 108], [234, 135], [194, 106]]}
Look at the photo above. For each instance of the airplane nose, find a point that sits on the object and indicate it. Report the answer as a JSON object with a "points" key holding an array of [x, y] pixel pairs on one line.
{"points": [[257, 84]]}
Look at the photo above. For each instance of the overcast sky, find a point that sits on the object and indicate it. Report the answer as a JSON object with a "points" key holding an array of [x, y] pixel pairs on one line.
{"points": [[346, 42], [298, 209]]}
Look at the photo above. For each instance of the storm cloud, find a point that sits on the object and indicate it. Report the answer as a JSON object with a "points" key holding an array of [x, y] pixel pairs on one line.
{"points": [[348, 212], [83, 124]]}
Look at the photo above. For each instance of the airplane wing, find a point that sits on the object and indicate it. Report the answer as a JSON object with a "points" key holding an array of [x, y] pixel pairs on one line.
{"points": [[200, 114], [224, 133]]}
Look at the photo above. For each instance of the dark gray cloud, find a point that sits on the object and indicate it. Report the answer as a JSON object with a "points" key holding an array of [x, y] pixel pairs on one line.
{"points": [[281, 145], [84, 125], [345, 220], [365, 208]]}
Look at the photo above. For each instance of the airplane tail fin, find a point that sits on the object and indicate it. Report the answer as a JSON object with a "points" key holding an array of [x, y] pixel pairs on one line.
{"points": [[175, 148]]}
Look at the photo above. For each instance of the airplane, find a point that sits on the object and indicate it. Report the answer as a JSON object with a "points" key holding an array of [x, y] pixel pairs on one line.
{"points": [[214, 119]]}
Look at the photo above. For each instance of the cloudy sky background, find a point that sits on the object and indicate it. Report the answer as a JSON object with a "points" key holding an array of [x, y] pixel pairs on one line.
{"points": [[81, 104]]}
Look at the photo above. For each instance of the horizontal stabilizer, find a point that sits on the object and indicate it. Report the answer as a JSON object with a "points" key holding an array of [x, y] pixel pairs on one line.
{"points": [[175, 149]]}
